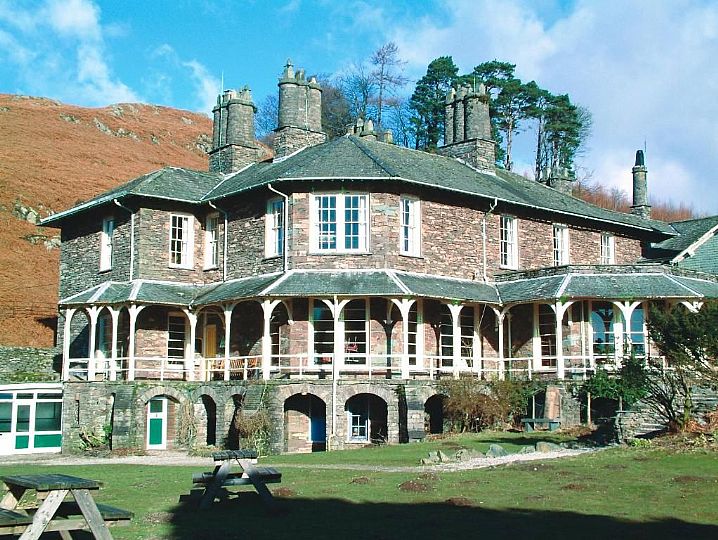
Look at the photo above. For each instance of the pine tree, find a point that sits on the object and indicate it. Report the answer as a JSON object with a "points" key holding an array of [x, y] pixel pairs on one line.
{"points": [[427, 101]]}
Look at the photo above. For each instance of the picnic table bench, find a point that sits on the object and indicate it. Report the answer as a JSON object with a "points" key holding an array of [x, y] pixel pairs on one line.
{"points": [[530, 424], [214, 484], [54, 513]]}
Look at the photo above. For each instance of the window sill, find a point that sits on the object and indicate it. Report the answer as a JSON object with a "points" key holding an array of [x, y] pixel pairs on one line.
{"points": [[207, 268], [271, 257], [411, 256], [104, 270], [506, 267], [180, 267], [340, 253]]}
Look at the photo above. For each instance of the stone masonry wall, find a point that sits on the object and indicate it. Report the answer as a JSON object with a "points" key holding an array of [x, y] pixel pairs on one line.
{"points": [[451, 241], [80, 252], [153, 237], [28, 364]]}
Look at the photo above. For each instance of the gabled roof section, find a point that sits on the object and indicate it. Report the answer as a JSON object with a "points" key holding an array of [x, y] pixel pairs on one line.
{"points": [[354, 158], [170, 183], [691, 234]]}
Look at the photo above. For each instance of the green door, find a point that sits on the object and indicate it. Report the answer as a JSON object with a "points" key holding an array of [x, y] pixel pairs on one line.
{"points": [[157, 423]]}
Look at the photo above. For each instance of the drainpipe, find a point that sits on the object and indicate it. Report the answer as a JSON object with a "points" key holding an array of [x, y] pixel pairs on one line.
{"points": [[483, 235], [285, 224], [224, 243], [132, 237]]}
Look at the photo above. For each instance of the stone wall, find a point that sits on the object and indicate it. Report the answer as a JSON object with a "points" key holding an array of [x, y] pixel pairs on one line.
{"points": [[28, 364], [80, 252], [451, 241]]}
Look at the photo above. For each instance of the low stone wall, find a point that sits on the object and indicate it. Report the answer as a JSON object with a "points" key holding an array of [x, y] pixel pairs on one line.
{"points": [[29, 364]]}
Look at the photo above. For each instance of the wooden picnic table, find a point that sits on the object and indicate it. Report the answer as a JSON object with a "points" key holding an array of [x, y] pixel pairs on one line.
{"points": [[55, 513], [214, 484]]}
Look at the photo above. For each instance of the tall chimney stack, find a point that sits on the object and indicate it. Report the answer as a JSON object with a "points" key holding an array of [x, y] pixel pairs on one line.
{"points": [[300, 112], [233, 143], [467, 128], [640, 188]]}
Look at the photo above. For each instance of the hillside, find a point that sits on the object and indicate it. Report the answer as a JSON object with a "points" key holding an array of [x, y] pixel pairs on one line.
{"points": [[52, 156]]}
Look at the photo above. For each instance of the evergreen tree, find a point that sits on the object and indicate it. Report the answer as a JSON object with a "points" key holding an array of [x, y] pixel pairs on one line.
{"points": [[427, 101]]}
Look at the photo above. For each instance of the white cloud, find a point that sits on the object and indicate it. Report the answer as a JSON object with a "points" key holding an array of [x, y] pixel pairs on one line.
{"points": [[643, 68], [74, 18], [206, 86], [63, 52]]}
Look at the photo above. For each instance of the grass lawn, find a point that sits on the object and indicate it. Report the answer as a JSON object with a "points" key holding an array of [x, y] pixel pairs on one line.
{"points": [[613, 494]]}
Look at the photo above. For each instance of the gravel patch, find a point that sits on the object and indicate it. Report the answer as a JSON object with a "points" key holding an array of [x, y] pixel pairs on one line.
{"points": [[169, 458]]}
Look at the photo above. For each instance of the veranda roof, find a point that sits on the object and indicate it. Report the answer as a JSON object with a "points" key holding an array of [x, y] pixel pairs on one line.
{"points": [[636, 282]]}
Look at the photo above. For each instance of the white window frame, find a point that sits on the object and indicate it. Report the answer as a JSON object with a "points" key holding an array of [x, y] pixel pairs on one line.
{"points": [[106, 243], [186, 242], [410, 216], [274, 228], [608, 248], [561, 248], [173, 319], [324, 235], [211, 241], [509, 245]]}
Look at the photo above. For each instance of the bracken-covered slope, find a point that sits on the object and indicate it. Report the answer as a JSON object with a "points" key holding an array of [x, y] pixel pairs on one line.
{"points": [[53, 156]]}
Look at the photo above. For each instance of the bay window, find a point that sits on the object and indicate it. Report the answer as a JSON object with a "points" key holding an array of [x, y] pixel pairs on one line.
{"points": [[274, 228], [340, 223]]}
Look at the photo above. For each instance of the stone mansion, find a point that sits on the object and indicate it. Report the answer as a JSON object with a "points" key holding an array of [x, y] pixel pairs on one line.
{"points": [[335, 283]]}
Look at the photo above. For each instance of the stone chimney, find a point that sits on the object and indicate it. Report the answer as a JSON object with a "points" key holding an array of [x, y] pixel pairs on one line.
{"points": [[365, 130], [640, 188], [300, 113], [233, 143], [467, 128], [560, 180]]}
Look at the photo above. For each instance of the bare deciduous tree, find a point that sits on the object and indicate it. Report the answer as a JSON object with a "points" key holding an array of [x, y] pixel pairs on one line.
{"points": [[387, 75]]}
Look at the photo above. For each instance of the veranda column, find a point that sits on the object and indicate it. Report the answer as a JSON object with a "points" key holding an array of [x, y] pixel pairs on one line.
{"points": [[267, 309], [560, 309], [69, 312], [500, 315], [404, 306], [115, 314], [134, 311], [189, 350], [92, 312], [455, 311], [228, 309]]}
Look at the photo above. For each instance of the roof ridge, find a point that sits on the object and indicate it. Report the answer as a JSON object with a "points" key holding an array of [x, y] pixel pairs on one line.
{"points": [[363, 147]]}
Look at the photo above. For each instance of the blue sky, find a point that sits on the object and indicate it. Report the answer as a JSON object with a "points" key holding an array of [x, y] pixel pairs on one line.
{"points": [[646, 69]]}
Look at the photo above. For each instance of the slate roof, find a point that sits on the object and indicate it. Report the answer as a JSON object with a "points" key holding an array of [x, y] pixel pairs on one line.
{"points": [[353, 158], [689, 232], [170, 183], [140, 292], [609, 282]]}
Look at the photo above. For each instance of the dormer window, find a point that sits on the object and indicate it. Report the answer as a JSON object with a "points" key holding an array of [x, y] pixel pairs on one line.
{"points": [[108, 229], [181, 241], [340, 223], [410, 227], [608, 249], [211, 241], [274, 228], [560, 245]]}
